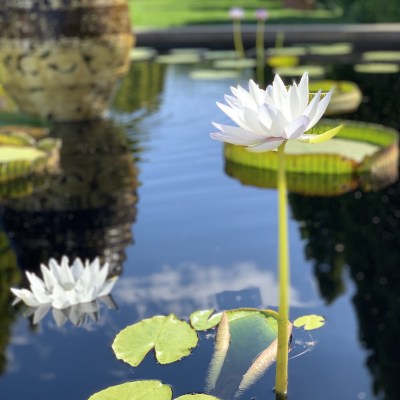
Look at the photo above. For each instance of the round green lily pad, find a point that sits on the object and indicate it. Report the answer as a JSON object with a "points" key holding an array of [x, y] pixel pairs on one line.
{"points": [[142, 53], [378, 56], [238, 64], [309, 322], [333, 49], [287, 51], [213, 74], [377, 68], [171, 339], [346, 95], [282, 61], [212, 55], [313, 71], [364, 155], [138, 390], [21, 155], [179, 58]]}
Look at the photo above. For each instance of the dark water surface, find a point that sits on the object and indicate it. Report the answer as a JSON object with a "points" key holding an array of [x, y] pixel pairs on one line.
{"points": [[153, 197]]}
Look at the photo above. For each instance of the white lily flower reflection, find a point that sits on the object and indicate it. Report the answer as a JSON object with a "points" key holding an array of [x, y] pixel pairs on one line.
{"points": [[267, 118], [64, 286], [78, 314]]}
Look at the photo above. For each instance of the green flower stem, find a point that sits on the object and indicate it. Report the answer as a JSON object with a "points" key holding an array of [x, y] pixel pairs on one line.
{"points": [[260, 52], [237, 38], [284, 281]]}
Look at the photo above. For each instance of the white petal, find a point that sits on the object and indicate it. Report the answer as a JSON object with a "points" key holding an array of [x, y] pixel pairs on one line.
{"points": [[294, 99], [239, 133], [312, 107], [251, 120], [48, 277], [303, 91], [107, 287], [26, 296], [256, 93], [268, 145], [297, 127], [322, 105], [221, 137], [77, 269], [235, 116]]}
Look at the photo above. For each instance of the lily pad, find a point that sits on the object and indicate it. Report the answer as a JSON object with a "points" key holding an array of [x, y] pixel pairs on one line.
{"points": [[212, 55], [390, 56], [204, 319], [21, 155], [282, 61], [314, 71], [197, 397], [333, 49], [309, 322], [144, 390], [245, 346], [212, 74], [138, 390], [142, 53], [288, 51], [238, 64], [377, 68], [171, 339], [179, 58], [346, 95], [364, 155]]}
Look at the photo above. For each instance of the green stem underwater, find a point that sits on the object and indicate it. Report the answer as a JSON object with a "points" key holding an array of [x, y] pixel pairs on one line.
{"points": [[281, 381], [237, 39], [260, 52]]}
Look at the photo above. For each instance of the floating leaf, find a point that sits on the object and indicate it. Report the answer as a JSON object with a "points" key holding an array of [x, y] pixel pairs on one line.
{"points": [[171, 338], [249, 333], [377, 68], [212, 74], [313, 71], [381, 56], [309, 322], [360, 154], [242, 63], [201, 320], [323, 137], [346, 95], [138, 390], [197, 397], [222, 341]]}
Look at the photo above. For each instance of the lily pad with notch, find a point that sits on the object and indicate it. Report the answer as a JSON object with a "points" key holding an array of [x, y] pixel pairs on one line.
{"points": [[144, 390], [171, 338]]}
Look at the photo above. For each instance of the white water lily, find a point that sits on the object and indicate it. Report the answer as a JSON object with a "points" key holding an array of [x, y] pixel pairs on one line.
{"points": [[267, 118], [64, 286]]}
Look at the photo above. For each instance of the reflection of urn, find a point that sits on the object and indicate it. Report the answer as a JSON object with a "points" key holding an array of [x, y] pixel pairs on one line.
{"points": [[62, 59], [88, 209]]}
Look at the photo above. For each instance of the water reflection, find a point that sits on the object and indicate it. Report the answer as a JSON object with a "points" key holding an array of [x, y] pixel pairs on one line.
{"points": [[88, 209], [9, 276], [358, 232], [141, 87], [78, 314]]}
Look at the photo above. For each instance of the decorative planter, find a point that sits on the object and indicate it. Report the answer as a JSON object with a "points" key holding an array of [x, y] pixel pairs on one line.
{"points": [[62, 60]]}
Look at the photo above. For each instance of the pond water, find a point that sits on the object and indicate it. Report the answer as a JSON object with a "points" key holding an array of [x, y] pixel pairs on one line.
{"points": [[147, 191]]}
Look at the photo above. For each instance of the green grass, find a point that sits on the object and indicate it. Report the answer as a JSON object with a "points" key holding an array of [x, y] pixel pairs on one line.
{"points": [[167, 13]]}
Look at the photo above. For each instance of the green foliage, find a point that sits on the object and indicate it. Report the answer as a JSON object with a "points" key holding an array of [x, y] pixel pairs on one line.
{"points": [[164, 13], [309, 322], [139, 390], [144, 390], [367, 10], [171, 338]]}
